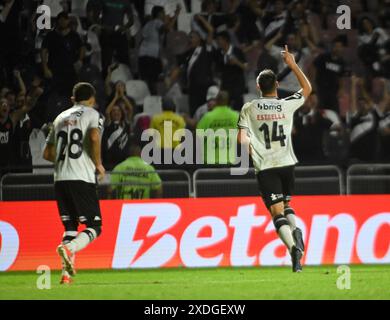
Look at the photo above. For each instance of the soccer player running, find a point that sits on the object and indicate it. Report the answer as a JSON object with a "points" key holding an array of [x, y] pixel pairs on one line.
{"points": [[73, 144], [265, 127]]}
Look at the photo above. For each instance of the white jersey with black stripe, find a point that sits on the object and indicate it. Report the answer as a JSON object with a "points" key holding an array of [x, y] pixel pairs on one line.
{"points": [[71, 139], [269, 123]]}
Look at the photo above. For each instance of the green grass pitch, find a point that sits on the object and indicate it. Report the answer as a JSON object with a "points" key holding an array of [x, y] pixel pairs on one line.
{"points": [[367, 282]]}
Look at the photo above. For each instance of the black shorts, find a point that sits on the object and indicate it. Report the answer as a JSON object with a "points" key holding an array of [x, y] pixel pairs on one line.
{"points": [[276, 184], [78, 202]]}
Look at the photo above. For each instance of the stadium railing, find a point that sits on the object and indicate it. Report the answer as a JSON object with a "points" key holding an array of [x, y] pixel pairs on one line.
{"points": [[310, 180], [39, 186], [216, 182], [368, 179]]}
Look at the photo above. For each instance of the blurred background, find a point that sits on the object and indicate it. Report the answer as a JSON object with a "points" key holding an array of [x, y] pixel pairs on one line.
{"points": [[193, 63]]}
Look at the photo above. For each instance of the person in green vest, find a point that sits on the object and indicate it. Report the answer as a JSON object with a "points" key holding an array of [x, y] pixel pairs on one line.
{"points": [[216, 128], [134, 178]]}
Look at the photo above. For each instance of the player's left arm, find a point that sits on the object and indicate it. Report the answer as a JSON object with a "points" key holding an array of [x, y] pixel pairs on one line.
{"points": [[239, 60], [243, 128], [244, 140], [94, 135], [49, 153]]}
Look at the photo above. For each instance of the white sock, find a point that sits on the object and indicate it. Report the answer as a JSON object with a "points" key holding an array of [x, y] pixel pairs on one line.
{"points": [[286, 236], [82, 240], [284, 231], [290, 216]]}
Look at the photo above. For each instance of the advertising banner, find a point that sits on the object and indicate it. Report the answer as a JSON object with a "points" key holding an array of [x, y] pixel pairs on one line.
{"points": [[207, 232]]}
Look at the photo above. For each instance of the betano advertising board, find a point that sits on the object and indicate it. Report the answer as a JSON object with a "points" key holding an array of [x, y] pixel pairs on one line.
{"points": [[207, 232]]}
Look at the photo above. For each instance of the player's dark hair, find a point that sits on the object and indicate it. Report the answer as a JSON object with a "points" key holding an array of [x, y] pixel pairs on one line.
{"points": [[266, 81], [156, 10], [83, 91]]}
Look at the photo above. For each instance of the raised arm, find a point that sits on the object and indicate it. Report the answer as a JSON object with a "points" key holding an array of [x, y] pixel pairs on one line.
{"points": [[129, 108], [107, 81], [110, 107], [22, 86], [208, 27], [353, 105], [289, 59], [31, 101], [45, 67], [170, 22], [273, 40]]}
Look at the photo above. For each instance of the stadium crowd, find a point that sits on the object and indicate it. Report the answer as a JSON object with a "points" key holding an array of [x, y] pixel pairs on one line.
{"points": [[192, 61]]}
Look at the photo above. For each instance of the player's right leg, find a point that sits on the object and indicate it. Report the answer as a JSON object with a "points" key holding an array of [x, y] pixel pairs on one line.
{"points": [[86, 203], [270, 184], [286, 235]]}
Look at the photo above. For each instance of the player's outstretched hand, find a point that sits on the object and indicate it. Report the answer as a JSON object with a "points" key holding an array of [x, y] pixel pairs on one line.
{"points": [[101, 172], [288, 57]]}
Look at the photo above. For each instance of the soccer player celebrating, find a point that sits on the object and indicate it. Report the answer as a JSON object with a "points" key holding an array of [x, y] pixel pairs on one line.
{"points": [[73, 144], [265, 129]]}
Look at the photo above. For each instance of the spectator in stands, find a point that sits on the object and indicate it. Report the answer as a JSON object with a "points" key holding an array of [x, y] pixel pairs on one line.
{"points": [[211, 97], [169, 6], [11, 38], [232, 65], [8, 123], [23, 130], [169, 120], [11, 94], [117, 131], [62, 52], [134, 178], [384, 13], [113, 38], [329, 68], [385, 61], [210, 14], [310, 126], [266, 61], [362, 123], [243, 17], [197, 65], [221, 116], [275, 20], [384, 131], [371, 41], [382, 112], [149, 57], [212, 94]]}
